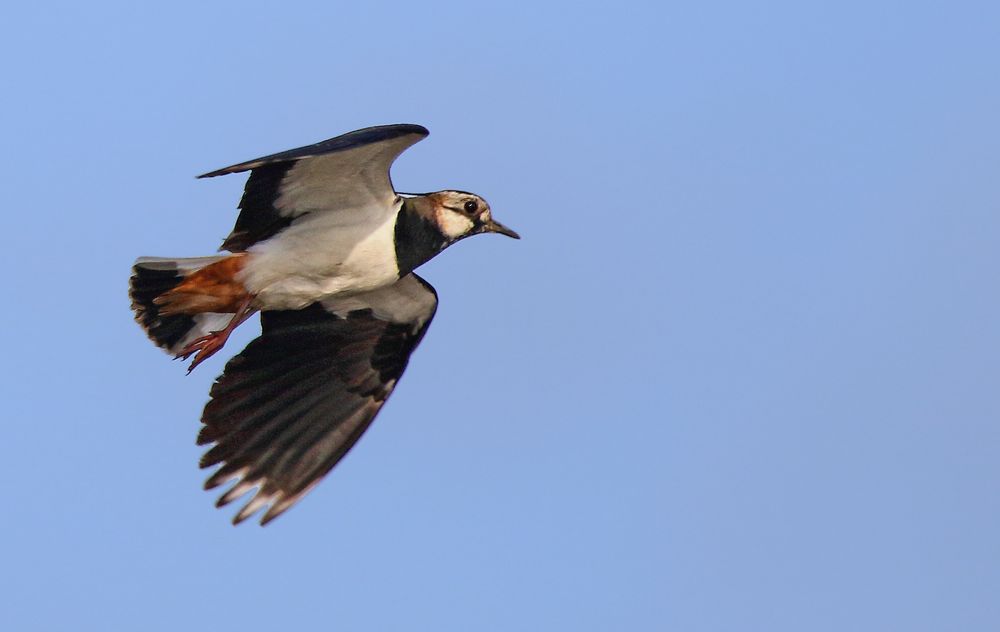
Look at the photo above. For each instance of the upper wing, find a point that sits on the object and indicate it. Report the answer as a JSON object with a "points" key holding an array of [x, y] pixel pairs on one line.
{"points": [[346, 173], [291, 405]]}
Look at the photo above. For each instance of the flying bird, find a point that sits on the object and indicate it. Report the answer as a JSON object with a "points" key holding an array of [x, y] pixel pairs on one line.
{"points": [[325, 249]]}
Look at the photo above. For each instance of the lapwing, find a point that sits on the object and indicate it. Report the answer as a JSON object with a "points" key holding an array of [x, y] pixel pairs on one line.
{"points": [[325, 249]]}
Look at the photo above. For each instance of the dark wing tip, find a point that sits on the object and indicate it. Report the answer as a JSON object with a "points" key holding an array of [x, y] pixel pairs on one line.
{"points": [[357, 138], [292, 404]]}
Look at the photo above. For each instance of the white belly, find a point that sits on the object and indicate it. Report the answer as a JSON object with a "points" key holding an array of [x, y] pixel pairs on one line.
{"points": [[319, 257]]}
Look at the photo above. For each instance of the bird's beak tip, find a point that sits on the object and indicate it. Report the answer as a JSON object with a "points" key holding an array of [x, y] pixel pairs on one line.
{"points": [[496, 227]]}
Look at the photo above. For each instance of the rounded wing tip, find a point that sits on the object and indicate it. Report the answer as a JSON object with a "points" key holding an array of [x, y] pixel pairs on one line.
{"points": [[418, 129], [393, 130], [364, 136]]}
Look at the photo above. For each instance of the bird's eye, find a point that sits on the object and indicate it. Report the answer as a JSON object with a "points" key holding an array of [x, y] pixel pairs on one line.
{"points": [[471, 206]]}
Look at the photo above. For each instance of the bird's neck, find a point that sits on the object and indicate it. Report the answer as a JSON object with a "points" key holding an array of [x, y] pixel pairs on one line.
{"points": [[417, 237]]}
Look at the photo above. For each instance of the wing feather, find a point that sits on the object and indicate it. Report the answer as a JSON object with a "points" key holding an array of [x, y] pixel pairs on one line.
{"points": [[344, 142], [349, 173], [295, 401]]}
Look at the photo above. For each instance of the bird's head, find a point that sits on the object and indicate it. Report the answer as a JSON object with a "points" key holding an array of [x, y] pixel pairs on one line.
{"points": [[459, 214]]}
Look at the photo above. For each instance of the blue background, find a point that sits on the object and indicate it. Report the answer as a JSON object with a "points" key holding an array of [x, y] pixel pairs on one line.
{"points": [[740, 374]]}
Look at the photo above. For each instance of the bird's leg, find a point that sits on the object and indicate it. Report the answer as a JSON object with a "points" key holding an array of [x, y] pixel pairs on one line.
{"points": [[206, 346]]}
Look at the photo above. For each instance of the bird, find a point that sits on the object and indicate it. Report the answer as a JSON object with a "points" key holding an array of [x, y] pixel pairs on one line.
{"points": [[324, 249]]}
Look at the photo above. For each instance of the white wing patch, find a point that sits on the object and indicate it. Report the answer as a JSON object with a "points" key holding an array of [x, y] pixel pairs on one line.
{"points": [[406, 301], [352, 181]]}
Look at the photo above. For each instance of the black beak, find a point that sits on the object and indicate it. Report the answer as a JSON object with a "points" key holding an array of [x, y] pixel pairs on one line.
{"points": [[494, 226]]}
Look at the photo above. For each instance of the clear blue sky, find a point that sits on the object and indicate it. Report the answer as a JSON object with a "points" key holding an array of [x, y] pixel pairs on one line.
{"points": [[740, 374]]}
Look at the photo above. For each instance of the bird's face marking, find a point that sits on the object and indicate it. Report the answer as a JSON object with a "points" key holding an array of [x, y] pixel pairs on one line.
{"points": [[460, 214]]}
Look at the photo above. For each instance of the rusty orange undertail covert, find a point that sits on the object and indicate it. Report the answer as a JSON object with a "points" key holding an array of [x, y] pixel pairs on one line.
{"points": [[213, 288]]}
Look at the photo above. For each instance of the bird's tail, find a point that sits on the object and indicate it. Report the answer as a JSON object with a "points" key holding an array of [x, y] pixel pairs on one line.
{"points": [[152, 278]]}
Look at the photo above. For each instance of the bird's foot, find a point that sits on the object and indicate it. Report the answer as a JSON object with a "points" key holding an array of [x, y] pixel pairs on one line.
{"points": [[203, 348]]}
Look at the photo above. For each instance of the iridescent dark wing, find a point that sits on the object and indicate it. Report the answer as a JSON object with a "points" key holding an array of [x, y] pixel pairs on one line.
{"points": [[291, 405]]}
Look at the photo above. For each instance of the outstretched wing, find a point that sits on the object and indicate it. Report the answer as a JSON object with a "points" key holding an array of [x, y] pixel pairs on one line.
{"points": [[349, 173], [291, 405]]}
